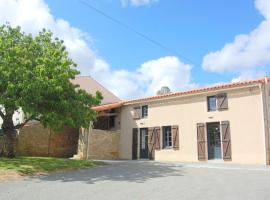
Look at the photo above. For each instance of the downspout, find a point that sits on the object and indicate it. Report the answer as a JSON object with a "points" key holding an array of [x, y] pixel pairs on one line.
{"points": [[266, 119]]}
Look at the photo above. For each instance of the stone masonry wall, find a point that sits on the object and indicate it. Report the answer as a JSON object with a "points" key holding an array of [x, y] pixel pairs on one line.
{"points": [[34, 140], [98, 144]]}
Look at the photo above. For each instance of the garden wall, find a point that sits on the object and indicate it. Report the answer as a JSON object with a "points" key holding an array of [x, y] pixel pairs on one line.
{"points": [[34, 140], [98, 144]]}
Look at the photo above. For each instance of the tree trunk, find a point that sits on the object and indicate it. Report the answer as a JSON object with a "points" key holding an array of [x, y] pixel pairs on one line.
{"points": [[9, 136], [9, 143]]}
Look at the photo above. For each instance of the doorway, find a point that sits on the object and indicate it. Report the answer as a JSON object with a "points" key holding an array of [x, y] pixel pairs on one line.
{"points": [[144, 143], [134, 144], [214, 141]]}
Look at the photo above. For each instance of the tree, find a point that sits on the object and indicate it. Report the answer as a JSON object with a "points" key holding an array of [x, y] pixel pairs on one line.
{"points": [[163, 90], [35, 74]]}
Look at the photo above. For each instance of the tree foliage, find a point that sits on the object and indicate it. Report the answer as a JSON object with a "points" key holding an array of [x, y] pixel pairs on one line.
{"points": [[163, 90], [35, 73]]}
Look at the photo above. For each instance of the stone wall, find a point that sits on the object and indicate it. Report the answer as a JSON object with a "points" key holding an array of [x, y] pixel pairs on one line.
{"points": [[98, 144], [34, 140]]}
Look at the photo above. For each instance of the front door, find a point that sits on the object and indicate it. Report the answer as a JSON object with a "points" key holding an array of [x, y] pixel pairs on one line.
{"points": [[144, 143], [214, 141]]}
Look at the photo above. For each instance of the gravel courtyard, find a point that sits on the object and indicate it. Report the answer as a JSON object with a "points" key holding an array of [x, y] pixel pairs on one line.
{"points": [[128, 180]]}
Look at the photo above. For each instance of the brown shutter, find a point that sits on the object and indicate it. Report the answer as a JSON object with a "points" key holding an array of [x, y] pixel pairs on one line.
{"points": [[175, 137], [136, 112], [226, 140], [201, 139], [151, 143], [134, 143], [157, 136], [222, 102]]}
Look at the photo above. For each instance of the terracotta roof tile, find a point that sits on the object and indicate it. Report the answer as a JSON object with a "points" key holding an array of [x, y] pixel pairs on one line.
{"points": [[108, 106], [180, 93]]}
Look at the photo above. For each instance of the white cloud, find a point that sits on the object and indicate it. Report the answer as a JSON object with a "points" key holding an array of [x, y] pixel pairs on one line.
{"points": [[248, 75], [167, 71], [147, 79], [248, 53], [137, 2], [33, 15]]}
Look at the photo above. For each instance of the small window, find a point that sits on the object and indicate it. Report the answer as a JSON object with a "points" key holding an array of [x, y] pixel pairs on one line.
{"points": [[167, 136], [212, 103], [144, 111]]}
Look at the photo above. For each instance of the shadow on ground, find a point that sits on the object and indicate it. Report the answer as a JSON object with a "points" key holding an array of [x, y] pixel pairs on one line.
{"points": [[130, 171]]}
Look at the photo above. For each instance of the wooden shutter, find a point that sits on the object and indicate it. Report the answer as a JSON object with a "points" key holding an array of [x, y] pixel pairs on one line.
{"points": [[201, 140], [175, 137], [136, 112], [226, 140], [222, 101], [151, 143], [134, 144], [157, 138]]}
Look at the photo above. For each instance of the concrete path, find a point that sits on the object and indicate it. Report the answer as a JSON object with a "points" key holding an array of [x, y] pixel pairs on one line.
{"points": [[145, 180]]}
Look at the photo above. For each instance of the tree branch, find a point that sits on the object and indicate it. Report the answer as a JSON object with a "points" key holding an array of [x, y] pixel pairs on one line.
{"points": [[25, 122], [2, 114]]}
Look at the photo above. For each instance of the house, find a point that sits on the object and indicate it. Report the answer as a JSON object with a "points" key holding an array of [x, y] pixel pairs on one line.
{"points": [[225, 123]]}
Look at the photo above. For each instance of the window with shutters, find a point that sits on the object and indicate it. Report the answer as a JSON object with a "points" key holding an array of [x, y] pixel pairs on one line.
{"points": [[167, 136], [222, 101], [217, 102], [212, 103], [136, 112], [144, 111]]}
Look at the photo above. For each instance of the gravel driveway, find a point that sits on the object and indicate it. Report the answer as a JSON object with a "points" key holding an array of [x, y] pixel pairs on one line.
{"points": [[128, 180]]}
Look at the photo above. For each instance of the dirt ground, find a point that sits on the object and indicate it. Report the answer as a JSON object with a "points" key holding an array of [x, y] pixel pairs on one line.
{"points": [[9, 175]]}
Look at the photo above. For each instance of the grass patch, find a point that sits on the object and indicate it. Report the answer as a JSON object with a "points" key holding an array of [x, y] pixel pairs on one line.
{"points": [[34, 165]]}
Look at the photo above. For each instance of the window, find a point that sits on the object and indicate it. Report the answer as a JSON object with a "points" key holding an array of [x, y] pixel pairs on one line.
{"points": [[212, 103], [136, 112], [144, 111], [167, 136]]}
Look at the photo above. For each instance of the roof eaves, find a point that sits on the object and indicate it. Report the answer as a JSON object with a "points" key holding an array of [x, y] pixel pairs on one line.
{"points": [[199, 90], [107, 106], [180, 93]]}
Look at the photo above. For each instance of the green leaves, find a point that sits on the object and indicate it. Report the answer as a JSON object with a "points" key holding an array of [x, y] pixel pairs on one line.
{"points": [[35, 75]]}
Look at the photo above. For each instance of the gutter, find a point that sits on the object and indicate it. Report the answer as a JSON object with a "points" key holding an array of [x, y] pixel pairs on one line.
{"points": [[172, 95]]}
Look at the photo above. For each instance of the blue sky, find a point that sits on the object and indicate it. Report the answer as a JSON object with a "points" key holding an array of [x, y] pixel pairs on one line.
{"points": [[192, 28]]}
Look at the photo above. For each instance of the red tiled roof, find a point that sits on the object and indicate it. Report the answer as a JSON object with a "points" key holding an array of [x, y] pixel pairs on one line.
{"points": [[180, 93], [108, 106]]}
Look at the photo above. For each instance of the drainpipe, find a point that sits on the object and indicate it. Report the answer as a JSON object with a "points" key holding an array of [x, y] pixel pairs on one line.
{"points": [[266, 120]]}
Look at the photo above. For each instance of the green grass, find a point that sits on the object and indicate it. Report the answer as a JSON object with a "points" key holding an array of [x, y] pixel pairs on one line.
{"points": [[34, 165]]}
